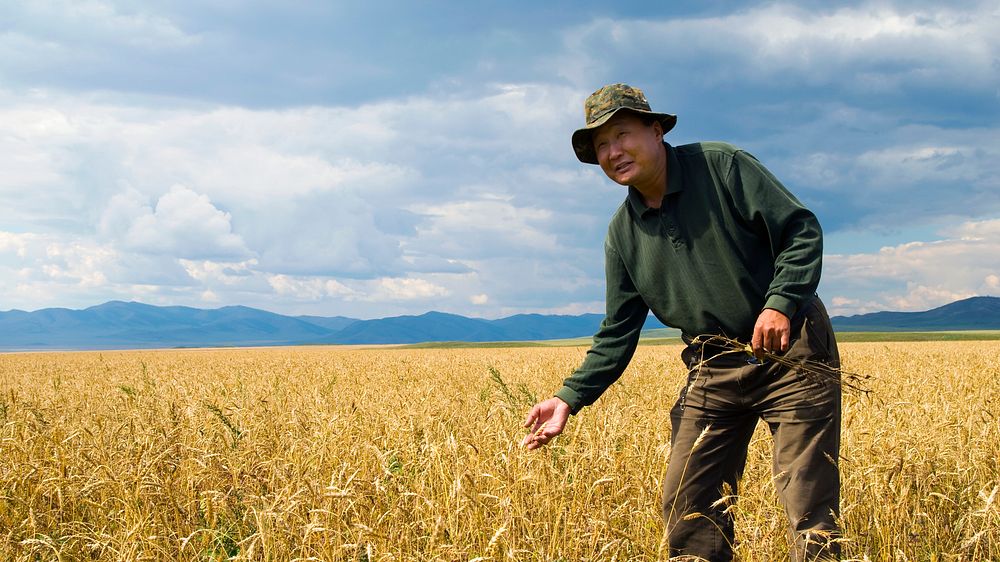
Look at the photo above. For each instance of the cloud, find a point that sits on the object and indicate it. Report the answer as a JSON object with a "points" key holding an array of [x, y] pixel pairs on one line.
{"points": [[382, 290], [71, 24], [44, 258], [406, 289], [222, 274], [929, 163], [77, 262], [259, 154], [314, 190], [976, 231], [38, 269], [480, 229], [917, 275], [310, 289], [264, 55], [16, 244], [279, 157], [869, 47], [183, 224]]}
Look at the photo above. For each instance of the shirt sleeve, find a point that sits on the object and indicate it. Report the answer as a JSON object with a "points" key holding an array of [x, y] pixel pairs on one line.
{"points": [[792, 230], [615, 341]]}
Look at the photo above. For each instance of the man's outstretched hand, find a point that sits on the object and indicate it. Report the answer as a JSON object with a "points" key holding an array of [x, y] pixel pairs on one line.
{"points": [[545, 420]]}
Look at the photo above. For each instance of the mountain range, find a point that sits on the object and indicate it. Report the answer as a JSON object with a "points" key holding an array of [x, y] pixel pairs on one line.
{"points": [[124, 325], [974, 313]]}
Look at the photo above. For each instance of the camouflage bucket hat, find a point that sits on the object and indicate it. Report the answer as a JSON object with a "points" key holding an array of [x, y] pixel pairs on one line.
{"points": [[602, 105]]}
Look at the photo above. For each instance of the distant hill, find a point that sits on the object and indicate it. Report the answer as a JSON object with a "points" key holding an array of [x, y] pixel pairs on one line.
{"points": [[329, 322], [432, 326], [119, 324], [438, 326], [126, 325], [976, 313]]}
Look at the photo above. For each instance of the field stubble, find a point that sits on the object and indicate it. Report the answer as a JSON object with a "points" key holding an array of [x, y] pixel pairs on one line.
{"points": [[387, 454]]}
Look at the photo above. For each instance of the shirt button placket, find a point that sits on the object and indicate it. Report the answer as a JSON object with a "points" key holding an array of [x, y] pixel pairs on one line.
{"points": [[672, 231]]}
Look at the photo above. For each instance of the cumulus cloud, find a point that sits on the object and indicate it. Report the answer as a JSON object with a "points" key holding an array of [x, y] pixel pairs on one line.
{"points": [[307, 191], [381, 291], [14, 243], [978, 231], [183, 224], [46, 258], [917, 275], [220, 273], [76, 262], [37, 270], [310, 289], [406, 289]]}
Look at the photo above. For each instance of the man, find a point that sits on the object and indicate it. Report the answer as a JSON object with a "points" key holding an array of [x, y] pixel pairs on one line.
{"points": [[712, 243]]}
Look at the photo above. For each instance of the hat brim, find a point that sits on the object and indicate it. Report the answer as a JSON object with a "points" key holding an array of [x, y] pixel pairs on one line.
{"points": [[583, 144]]}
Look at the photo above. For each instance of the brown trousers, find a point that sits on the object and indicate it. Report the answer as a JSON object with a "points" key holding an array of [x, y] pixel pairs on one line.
{"points": [[712, 423]]}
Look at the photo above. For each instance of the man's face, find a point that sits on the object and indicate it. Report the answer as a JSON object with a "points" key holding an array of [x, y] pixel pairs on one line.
{"points": [[629, 151]]}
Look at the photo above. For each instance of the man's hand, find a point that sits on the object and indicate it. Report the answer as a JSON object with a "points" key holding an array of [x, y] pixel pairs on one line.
{"points": [[771, 333], [545, 420]]}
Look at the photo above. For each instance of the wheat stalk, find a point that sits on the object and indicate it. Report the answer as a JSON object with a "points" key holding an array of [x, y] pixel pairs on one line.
{"points": [[818, 371]]}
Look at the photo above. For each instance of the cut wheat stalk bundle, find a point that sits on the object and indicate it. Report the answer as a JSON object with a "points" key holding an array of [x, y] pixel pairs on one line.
{"points": [[815, 370]]}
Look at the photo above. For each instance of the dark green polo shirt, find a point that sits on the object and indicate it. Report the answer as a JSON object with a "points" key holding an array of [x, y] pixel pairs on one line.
{"points": [[728, 241]]}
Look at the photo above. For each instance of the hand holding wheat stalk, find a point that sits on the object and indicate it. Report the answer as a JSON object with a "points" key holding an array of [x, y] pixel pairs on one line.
{"points": [[811, 368]]}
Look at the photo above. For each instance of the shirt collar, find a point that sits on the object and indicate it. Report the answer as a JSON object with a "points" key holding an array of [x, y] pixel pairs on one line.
{"points": [[675, 182]]}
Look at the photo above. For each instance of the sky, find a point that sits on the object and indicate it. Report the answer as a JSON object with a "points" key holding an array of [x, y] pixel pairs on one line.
{"points": [[372, 159]]}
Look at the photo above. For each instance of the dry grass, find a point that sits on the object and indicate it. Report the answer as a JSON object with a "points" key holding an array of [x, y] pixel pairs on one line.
{"points": [[363, 455]]}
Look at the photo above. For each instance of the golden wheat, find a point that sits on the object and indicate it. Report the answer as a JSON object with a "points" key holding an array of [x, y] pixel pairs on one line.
{"points": [[389, 454]]}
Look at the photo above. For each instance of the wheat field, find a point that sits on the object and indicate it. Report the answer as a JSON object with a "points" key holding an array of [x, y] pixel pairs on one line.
{"points": [[325, 453]]}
